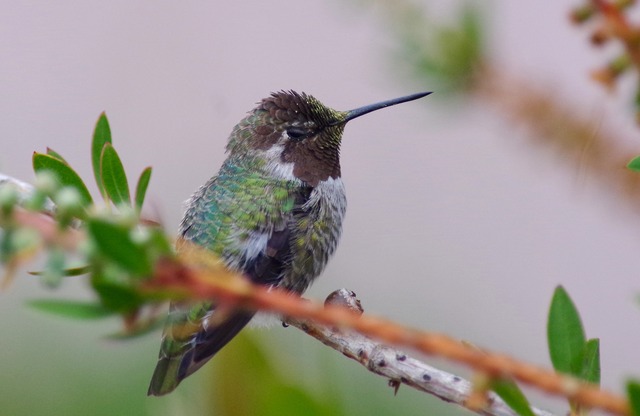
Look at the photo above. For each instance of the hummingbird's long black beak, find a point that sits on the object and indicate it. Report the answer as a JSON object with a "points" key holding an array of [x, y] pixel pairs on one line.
{"points": [[373, 107]]}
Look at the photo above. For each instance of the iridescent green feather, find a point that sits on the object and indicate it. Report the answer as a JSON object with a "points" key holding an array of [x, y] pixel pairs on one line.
{"points": [[236, 203]]}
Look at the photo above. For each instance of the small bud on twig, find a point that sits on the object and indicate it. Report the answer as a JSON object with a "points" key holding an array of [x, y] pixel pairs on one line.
{"points": [[582, 14]]}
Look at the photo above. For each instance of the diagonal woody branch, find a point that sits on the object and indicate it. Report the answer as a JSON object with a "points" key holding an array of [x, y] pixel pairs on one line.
{"points": [[399, 368], [586, 144], [241, 293], [194, 275]]}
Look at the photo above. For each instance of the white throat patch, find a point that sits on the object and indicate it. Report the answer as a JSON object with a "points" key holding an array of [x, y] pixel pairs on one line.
{"points": [[276, 167]]}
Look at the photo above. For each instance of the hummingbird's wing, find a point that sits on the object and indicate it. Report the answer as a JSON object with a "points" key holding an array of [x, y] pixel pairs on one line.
{"points": [[196, 331]]}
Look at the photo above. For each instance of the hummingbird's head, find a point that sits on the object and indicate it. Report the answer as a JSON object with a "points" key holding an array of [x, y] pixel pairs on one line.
{"points": [[295, 136]]}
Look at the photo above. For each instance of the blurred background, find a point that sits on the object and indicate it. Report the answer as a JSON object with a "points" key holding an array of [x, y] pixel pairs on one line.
{"points": [[466, 209]]}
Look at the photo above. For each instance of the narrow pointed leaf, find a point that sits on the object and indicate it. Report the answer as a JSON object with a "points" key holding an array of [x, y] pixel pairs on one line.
{"points": [[565, 334], [141, 188], [101, 136], [115, 243], [160, 244], [55, 154], [65, 174], [117, 297], [591, 362], [634, 164], [71, 309], [509, 391], [74, 271], [633, 393], [113, 177]]}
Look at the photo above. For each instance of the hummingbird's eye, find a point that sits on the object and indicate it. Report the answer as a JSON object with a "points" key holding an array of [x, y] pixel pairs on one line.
{"points": [[298, 133]]}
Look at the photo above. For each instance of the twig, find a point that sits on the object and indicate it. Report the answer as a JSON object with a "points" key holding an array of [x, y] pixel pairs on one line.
{"points": [[240, 293], [183, 279], [585, 143], [400, 368], [25, 190], [620, 27]]}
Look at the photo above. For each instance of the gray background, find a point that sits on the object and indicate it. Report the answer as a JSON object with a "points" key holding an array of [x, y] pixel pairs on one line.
{"points": [[455, 222]]}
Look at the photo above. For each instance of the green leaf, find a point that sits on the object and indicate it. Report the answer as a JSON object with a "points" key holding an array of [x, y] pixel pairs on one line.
{"points": [[117, 297], [115, 243], [65, 174], [113, 177], [101, 136], [590, 371], [565, 334], [55, 154], [74, 271], [141, 188], [634, 164], [71, 309], [633, 392], [160, 244], [513, 396]]}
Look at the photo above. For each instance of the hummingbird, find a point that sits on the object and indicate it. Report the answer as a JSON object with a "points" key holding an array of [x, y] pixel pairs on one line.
{"points": [[273, 213]]}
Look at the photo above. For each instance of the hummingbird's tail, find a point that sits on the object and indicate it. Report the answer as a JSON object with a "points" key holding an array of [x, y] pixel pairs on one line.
{"points": [[165, 376], [172, 369]]}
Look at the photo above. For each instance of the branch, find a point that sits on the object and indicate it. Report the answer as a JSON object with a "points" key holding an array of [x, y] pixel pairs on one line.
{"points": [[25, 190], [584, 142], [620, 27], [235, 293], [197, 274], [400, 368], [455, 56]]}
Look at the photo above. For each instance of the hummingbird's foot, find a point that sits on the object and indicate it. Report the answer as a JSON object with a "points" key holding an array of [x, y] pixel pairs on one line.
{"points": [[345, 298]]}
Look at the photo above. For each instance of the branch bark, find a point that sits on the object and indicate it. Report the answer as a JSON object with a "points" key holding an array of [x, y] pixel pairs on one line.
{"points": [[399, 367], [241, 293]]}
